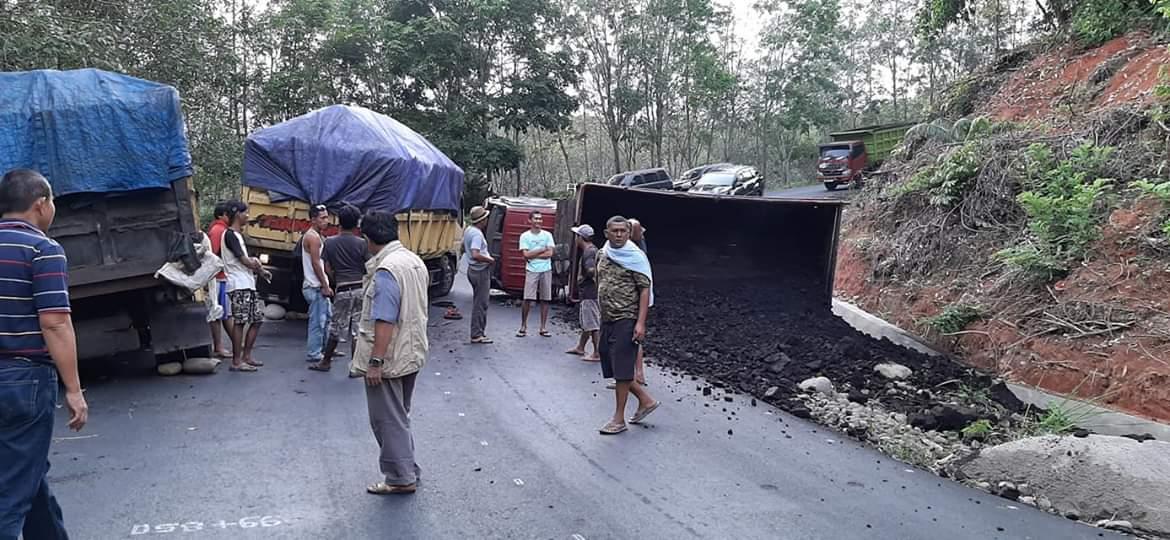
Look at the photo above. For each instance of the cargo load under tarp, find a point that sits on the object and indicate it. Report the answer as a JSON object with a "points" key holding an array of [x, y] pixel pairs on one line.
{"points": [[91, 131], [349, 154]]}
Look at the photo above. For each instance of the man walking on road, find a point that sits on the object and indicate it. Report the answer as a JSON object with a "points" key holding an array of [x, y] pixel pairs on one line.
{"points": [[345, 258], [247, 308], [391, 348], [479, 272], [223, 320], [624, 290], [537, 247], [37, 346], [590, 311], [315, 288]]}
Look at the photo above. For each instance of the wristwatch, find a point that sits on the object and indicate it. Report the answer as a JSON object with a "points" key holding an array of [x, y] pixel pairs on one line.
{"points": [[376, 362]]}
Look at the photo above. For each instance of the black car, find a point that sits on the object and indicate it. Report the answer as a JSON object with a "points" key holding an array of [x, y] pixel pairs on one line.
{"points": [[737, 180], [689, 178], [643, 179]]}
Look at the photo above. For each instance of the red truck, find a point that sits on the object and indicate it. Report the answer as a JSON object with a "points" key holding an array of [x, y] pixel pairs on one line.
{"points": [[853, 154], [509, 219]]}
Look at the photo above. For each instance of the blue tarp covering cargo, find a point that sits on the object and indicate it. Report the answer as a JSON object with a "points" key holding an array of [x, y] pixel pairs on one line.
{"points": [[349, 154], [91, 131]]}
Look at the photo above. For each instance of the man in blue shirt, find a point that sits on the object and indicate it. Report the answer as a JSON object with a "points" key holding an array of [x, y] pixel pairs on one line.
{"points": [[36, 344], [537, 247]]}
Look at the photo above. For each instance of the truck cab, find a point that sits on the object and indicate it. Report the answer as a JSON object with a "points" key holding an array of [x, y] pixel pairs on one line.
{"points": [[841, 163]]}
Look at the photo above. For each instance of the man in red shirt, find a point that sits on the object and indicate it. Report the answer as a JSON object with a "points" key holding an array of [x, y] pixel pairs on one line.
{"points": [[215, 233]]}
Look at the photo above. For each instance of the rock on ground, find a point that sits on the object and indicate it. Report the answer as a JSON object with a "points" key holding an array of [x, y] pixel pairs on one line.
{"points": [[891, 370], [1098, 477], [170, 368], [821, 385], [274, 312], [200, 366]]}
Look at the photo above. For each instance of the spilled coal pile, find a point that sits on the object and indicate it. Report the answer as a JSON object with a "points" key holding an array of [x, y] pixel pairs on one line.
{"points": [[762, 336]]}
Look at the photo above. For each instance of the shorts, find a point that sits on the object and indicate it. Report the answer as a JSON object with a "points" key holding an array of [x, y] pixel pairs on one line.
{"points": [[347, 305], [247, 308], [590, 315], [538, 286], [222, 293], [618, 350]]}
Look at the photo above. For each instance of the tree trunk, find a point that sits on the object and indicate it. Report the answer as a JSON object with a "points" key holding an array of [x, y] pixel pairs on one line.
{"points": [[565, 154]]}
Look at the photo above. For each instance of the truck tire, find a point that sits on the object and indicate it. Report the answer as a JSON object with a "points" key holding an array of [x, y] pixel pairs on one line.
{"points": [[831, 186], [447, 268]]}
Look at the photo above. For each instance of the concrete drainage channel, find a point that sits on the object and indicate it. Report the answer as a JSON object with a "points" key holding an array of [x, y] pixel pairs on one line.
{"points": [[879, 385]]}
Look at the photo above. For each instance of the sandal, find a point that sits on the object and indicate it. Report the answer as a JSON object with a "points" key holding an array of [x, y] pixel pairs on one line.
{"points": [[641, 414], [452, 314], [521, 333], [545, 333], [482, 340], [612, 428], [319, 367], [575, 352], [590, 358], [247, 368], [254, 363], [382, 488]]}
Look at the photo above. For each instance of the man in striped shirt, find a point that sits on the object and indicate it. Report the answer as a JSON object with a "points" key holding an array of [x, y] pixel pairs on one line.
{"points": [[36, 344]]}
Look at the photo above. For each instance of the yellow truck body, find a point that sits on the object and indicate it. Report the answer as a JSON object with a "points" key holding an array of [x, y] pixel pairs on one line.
{"points": [[274, 228]]}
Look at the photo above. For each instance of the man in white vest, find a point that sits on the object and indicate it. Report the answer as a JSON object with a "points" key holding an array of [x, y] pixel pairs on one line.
{"points": [[391, 347]]}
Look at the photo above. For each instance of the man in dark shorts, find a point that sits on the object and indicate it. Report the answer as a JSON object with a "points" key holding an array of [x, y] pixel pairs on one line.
{"points": [[624, 292], [589, 310], [345, 258]]}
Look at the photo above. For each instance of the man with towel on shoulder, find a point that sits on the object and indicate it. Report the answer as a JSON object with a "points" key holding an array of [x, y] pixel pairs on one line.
{"points": [[624, 290]]}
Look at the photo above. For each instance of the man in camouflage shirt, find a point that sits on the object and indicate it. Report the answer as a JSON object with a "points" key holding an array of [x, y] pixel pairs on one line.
{"points": [[624, 282]]}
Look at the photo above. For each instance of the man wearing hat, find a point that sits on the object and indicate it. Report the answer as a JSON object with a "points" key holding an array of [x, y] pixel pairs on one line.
{"points": [[590, 310], [479, 271]]}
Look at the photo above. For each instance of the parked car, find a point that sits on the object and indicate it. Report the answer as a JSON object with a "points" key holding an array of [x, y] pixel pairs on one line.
{"points": [[736, 180], [643, 179], [691, 177]]}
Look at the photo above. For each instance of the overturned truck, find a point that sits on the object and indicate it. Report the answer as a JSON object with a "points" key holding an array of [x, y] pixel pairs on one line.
{"points": [[743, 291]]}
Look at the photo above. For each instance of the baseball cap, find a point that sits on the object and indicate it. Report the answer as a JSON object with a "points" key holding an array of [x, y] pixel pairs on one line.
{"points": [[584, 231]]}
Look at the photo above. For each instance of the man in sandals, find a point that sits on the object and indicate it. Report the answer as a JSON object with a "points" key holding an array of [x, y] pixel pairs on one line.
{"points": [[345, 258], [479, 272], [391, 348], [537, 246], [247, 308], [624, 291], [589, 310]]}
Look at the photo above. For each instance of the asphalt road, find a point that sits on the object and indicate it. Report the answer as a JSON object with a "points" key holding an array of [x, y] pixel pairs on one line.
{"points": [[816, 191], [507, 440]]}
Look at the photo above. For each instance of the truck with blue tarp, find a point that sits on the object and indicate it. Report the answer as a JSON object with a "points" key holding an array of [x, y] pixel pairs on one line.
{"points": [[114, 149], [339, 155]]}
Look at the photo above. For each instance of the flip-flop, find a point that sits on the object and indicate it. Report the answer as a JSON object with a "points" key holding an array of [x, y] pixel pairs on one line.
{"points": [[612, 428], [545, 333], [453, 317], [590, 359], [575, 352], [641, 415], [319, 367], [382, 488], [482, 341], [254, 363], [247, 368], [521, 333]]}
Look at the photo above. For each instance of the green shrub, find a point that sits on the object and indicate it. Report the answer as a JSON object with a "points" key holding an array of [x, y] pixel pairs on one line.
{"points": [[978, 430], [1098, 21], [954, 318], [1061, 205], [947, 181], [1160, 191]]}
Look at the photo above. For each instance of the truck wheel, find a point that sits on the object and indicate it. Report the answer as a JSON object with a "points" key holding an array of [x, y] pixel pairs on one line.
{"points": [[447, 268], [831, 186]]}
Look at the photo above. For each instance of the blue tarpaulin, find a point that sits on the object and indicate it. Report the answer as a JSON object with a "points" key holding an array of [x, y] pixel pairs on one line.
{"points": [[349, 154], [92, 131]]}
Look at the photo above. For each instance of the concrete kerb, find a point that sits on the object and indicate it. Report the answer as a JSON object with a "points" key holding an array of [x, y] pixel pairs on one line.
{"points": [[1095, 418]]}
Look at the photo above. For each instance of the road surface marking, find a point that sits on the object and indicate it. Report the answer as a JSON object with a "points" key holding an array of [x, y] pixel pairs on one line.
{"points": [[247, 522]]}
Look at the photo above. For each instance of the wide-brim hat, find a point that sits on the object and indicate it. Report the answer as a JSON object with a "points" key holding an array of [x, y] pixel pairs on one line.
{"points": [[477, 214]]}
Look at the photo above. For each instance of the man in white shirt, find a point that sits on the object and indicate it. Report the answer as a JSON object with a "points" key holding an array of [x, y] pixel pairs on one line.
{"points": [[537, 247], [247, 308]]}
